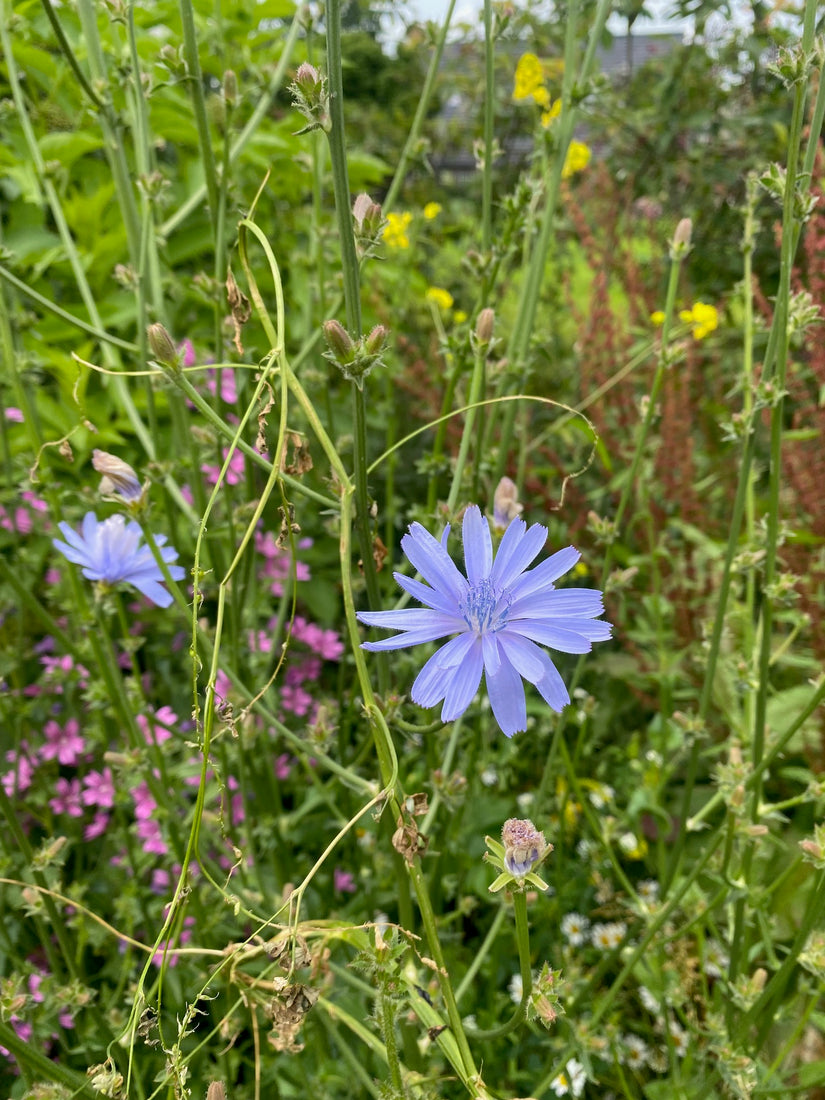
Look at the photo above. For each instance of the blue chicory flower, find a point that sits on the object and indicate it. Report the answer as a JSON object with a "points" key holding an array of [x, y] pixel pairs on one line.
{"points": [[498, 613], [110, 551]]}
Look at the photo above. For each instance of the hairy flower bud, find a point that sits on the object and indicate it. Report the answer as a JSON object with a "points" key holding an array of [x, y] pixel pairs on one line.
{"points": [[484, 326], [230, 90], [340, 342], [162, 345], [307, 77], [680, 245], [374, 343], [310, 96]]}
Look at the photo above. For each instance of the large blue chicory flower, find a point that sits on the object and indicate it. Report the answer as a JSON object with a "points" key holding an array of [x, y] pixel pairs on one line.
{"points": [[498, 613], [110, 551]]}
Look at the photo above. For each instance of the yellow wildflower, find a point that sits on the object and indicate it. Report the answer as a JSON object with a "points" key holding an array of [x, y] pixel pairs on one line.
{"points": [[541, 96], [395, 231], [553, 111], [529, 77], [459, 316], [577, 159], [657, 317], [440, 297], [702, 317], [432, 210]]}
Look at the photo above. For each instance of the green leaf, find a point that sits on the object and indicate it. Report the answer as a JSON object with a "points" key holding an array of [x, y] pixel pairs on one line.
{"points": [[67, 146]]}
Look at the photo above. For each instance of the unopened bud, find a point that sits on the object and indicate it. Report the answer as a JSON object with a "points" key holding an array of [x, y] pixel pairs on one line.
{"points": [[484, 326], [230, 94], [310, 96], [506, 505], [680, 245], [118, 476], [216, 1091], [360, 207], [375, 341], [161, 345], [307, 77], [340, 342]]}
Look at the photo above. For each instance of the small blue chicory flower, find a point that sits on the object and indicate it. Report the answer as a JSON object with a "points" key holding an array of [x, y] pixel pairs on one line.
{"points": [[498, 613], [110, 551]]}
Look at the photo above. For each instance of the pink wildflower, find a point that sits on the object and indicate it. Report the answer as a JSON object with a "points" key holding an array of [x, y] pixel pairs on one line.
{"points": [[35, 502], [344, 882], [187, 350], [96, 827], [99, 789], [14, 414], [145, 804], [326, 643], [20, 777], [295, 699], [283, 766], [163, 722], [68, 798], [229, 390], [63, 744], [149, 832], [234, 472]]}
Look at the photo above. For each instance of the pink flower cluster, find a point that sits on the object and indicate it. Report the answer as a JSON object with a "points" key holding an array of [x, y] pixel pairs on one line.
{"points": [[277, 565], [22, 520]]}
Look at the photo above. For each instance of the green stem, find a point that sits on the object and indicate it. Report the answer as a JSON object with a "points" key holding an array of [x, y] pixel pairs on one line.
{"points": [[352, 303], [476, 386], [261, 111], [523, 941], [489, 121], [190, 48]]}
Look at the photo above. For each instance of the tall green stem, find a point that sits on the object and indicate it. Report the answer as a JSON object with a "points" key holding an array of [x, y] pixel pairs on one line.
{"points": [[352, 304]]}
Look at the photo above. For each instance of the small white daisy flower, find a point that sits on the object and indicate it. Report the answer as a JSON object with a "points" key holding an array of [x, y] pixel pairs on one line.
{"points": [[574, 928], [609, 935], [648, 890], [571, 1081], [635, 1051]]}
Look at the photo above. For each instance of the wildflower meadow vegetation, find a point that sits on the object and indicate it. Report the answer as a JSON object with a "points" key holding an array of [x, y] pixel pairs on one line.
{"points": [[412, 553]]}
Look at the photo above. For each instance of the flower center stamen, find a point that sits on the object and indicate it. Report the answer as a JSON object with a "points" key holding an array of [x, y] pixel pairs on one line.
{"points": [[482, 608]]}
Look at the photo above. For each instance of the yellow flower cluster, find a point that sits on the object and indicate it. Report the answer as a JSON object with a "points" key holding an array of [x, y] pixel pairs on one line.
{"points": [[529, 78], [395, 231], [529, 84], [432, 210], [703, 319], [439, 297], [576, 160]]}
